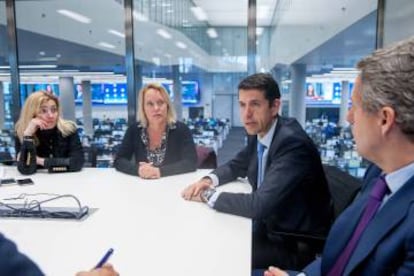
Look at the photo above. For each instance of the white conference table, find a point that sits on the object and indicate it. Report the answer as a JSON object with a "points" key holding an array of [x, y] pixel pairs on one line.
{"points": [[152, 229]]}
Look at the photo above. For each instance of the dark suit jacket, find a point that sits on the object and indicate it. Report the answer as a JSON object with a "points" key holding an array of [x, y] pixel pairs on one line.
{"points": [[67, 152], [13, 263], [387, 245], [294, 195], [180, 157]]}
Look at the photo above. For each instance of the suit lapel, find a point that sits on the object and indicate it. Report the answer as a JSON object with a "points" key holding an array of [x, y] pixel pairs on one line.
{"points": [[274, 143], [394, 210], [344, 226], [341, 232], [253, 165]]}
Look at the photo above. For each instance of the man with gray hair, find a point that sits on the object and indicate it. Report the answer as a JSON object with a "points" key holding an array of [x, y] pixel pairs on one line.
{"points": [[375, 234]]}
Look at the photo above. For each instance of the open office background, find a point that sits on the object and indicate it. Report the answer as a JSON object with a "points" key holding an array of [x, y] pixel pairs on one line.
{"points": [[310, 47]]}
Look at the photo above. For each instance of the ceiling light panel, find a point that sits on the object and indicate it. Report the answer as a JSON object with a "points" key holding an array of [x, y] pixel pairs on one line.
{"points": [[181, 45], [199, 13], [163, 33], [234, 12], [75, 16], [212, 33], [117, 33], [106, 45]]}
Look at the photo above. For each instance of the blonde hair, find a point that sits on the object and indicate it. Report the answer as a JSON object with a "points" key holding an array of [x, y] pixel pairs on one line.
{"points": [[171, 115], [31, 108]]}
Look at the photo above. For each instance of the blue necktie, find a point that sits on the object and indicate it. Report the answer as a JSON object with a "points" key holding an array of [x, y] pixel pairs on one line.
{"points": [[260, 149], [375, 198], [260, 170]]}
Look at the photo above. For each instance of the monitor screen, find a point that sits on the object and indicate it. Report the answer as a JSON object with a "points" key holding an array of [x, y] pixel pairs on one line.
{"points": [[116, 93], [329, 94], [101, 93], [27, 89], [190, 91]]}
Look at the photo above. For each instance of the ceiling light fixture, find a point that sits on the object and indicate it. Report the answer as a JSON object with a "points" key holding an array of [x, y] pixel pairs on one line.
{"points": [[47, 59], [39, 66], [212, 33], [181, 45], [106, 45], [75, 16], [199, 13], [164, 33], [115, 32], [344, 69]]}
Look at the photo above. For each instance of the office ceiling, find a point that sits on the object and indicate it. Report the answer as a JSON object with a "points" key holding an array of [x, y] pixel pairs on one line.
{"points": [[71, 49], [234, 12]]}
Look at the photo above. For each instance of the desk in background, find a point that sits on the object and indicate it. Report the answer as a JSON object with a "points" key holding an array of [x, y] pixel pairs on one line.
{"points": [[152, 229]]}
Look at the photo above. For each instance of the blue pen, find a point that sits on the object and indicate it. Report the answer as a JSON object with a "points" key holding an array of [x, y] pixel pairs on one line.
{"points": [[105, 258]]}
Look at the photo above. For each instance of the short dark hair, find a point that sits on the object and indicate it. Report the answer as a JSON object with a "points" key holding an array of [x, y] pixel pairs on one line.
{"points": [[263, 82]]}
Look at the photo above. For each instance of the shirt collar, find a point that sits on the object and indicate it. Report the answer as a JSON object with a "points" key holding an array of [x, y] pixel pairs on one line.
{"points": [[398, 178], [267, 139]]}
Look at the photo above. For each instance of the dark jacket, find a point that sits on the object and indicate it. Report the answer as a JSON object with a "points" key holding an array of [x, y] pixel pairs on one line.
{"points": [[14, 263], [294, 195], [386, 247], [62, 154], [180, 156]]}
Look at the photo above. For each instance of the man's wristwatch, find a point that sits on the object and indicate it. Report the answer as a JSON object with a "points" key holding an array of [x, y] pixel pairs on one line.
{"points": [[207, 194]]}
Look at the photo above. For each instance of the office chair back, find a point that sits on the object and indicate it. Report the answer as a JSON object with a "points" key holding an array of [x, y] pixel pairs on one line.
{"points": [[206, 158], [343, 188]]}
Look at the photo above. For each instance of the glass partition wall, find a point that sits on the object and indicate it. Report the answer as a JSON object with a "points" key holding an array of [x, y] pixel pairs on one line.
{"points": [[186, 41], [5, 112], [67, 47], [313, 47], [198, 51]]}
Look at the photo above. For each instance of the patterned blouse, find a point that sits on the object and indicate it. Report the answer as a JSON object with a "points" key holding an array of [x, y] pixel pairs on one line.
{"points": [[156, 156]]}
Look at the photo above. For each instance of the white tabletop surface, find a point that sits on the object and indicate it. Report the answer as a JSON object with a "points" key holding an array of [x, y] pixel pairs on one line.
{"points": [[151, 228]]}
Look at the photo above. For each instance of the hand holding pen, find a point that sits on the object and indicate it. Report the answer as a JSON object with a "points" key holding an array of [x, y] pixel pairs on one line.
{"points": [[101, 268], [105, 258]]}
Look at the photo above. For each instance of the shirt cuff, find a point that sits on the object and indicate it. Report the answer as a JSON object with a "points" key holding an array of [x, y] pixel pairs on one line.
{"points": [[214, 179], [213, 199]]}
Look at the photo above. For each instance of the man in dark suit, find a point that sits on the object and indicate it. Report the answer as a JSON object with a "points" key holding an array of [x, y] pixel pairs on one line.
{"points": [[382, 117], [14, 263], [292, 194]]}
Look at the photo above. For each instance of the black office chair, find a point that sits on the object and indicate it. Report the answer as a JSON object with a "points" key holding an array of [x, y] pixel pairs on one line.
{"points": [[6, 158], [90, 154], [343, 188], [206, 158]]}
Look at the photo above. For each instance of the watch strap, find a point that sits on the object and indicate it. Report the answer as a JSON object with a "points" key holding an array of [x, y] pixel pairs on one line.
{"points": [[207, 194]]}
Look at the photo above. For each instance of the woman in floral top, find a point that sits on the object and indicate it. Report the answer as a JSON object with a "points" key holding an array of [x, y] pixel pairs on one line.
{"points": [[161, 145]]}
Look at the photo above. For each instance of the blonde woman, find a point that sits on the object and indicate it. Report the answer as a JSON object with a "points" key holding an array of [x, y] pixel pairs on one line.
{"points": [[161, 145], [44, 139]]}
